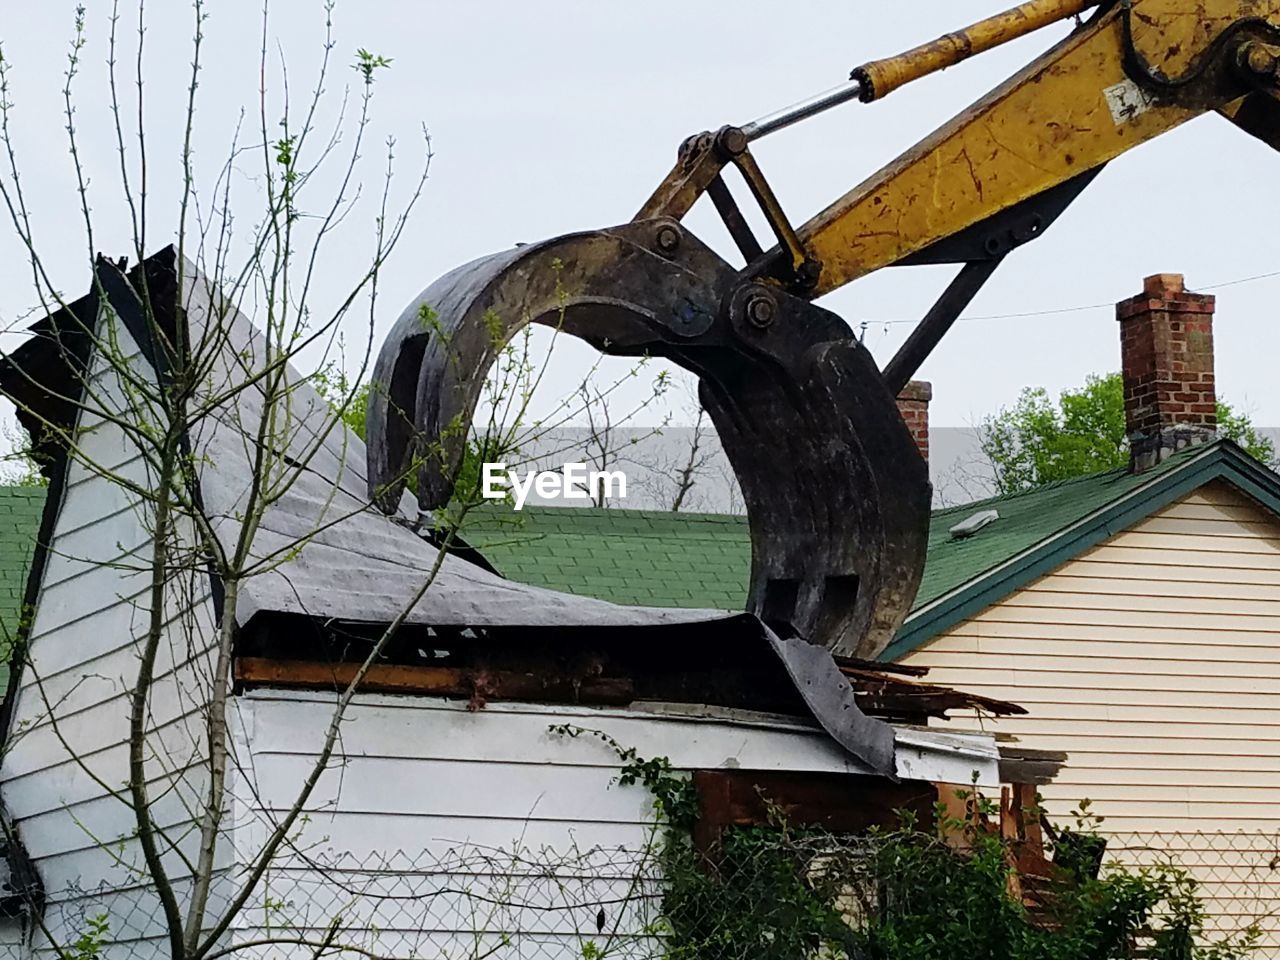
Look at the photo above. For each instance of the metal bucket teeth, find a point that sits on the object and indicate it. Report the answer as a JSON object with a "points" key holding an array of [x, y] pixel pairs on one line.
{"points": [[837, 495]]}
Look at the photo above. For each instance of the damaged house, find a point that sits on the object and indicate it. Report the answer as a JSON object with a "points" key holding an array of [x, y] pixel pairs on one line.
{"points": [[451, 775]]}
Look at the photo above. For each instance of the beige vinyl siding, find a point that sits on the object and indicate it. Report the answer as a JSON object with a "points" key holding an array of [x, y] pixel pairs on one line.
{"points": [[1153, 660]]}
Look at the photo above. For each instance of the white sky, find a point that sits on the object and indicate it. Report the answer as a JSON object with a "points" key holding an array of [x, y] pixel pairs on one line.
{"points": [[549, 118]]}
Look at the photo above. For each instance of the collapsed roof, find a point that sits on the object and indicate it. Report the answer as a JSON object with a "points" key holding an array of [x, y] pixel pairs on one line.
{"points": [[355, 563], [336, 557]]}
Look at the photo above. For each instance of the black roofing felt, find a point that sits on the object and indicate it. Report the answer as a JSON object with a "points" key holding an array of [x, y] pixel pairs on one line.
{"points": [[356, 563]]}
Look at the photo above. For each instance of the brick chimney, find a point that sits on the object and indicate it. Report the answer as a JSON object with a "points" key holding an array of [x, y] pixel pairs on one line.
{"points": [[913, 404], [1166, 350]]}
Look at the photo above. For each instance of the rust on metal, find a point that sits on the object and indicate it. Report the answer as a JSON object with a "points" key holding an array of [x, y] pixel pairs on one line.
{"points": [[1091, 98]]}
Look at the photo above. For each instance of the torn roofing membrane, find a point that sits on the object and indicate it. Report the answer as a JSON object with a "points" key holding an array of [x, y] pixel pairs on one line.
{"points": [[355, 563]]}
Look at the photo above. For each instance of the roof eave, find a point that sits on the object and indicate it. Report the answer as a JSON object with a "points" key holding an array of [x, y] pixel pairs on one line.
{"points": [[1222, 459]]}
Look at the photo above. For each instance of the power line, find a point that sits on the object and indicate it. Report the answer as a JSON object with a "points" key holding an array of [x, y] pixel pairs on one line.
{"points": [[1078, 309], [1232, 283]]}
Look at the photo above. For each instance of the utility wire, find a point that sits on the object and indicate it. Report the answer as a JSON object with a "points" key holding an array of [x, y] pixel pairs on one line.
{"points": [[1232, 283], [1079, 309]]}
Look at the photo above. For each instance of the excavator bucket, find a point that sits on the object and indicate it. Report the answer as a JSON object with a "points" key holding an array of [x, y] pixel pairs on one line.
{"points": [[836, 493]]}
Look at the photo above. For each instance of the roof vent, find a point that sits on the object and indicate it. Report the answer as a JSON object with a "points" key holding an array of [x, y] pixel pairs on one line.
{"points": [[971, 525]]}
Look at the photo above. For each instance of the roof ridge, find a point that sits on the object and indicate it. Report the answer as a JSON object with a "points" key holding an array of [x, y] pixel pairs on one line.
{"points": [[1032, 491], [1122, 471]]}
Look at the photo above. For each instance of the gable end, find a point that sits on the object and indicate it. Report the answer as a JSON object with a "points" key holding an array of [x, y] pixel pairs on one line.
{"points": [[1223, 460]]}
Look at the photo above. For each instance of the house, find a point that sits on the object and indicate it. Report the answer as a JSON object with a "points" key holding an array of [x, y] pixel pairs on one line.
{"points": [[1134, 613], [455, 812]]}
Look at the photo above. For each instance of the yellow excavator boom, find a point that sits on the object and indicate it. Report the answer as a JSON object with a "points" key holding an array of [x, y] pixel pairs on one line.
{"points": [[837, 496], [881, 77], [1135, 72]]}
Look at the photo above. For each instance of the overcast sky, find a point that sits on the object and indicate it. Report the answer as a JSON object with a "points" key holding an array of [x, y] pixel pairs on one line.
{"points": [[549, 118]]}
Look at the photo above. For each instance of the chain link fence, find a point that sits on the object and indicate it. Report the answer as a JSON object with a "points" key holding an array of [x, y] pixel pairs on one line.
{"points": [[1237, 876], [464, 903], [803, 897], [474, 903]]}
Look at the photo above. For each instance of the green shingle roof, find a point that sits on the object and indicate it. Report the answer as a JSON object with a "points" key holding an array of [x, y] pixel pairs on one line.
{"points": [[697, 560], [627, 556], [1025, 520], [20, 509], [703, 560]]}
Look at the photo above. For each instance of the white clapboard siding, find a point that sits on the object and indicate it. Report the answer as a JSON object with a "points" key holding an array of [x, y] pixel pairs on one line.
{"points": [[1153, 660], [133, 911], [91, 606], [500, 764], [448, 795]]}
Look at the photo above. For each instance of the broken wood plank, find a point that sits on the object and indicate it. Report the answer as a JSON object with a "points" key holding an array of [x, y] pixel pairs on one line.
{"points": [[475, 685]]}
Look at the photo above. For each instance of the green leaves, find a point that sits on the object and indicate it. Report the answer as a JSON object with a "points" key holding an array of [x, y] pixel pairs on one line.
{"points": [[1038, 441], [674, 797], [366, 63], [92, 940], [778, 891], [284, 151], [1238, 427], [349, 401]]}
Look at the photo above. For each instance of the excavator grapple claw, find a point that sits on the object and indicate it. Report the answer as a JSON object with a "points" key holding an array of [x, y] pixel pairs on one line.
{"points": [[836, 493]]}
